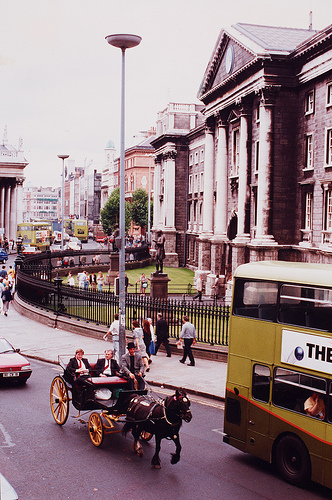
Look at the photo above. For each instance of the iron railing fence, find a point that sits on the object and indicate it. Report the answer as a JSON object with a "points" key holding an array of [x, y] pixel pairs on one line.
{"points": [[35, 286]]}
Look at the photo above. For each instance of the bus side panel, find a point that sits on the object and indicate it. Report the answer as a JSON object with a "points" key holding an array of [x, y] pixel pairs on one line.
{"points": [[254, 339], [310, 430], [235, 421], [328, 458], [237, 391], [258, 442]]}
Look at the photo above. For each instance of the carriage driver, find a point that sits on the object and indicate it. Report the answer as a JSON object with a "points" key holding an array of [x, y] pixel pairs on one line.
{"points": [[107, 366], [132, 367]]}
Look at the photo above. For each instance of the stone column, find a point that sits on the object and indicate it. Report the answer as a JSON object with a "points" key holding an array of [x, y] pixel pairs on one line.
{"points": [[264, 195], [222, 180], [7, 212], [208, 181], [156, 193], [2, 210], [169, 190], [19, 202], [13, 213], [243, 178]]}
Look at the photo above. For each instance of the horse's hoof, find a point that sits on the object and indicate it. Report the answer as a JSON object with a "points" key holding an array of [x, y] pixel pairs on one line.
{"points": [[140, 453], [174, 459]]}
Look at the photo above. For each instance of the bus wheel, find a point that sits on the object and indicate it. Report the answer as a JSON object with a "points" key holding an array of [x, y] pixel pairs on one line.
{"points": [[293, 461]]}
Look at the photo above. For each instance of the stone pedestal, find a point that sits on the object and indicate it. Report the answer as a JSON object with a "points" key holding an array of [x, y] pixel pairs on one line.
{"points": [[159, 285], [114, 268]]}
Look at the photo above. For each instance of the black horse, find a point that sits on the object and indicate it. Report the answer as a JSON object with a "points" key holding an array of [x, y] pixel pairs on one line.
{"points": [[161, 418]]}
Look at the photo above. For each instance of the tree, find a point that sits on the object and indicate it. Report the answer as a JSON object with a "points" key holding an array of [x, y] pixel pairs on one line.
{"points": [[139, 207], [110, 214]]}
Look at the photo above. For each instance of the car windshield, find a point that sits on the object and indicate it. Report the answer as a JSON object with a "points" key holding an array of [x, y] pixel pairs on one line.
{"points": [[5, 346]]}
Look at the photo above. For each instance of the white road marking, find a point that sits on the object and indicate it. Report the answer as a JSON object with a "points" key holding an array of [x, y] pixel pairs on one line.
{"points": [[8, 443]]}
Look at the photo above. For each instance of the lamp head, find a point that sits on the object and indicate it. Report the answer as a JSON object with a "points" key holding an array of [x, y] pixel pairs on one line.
{"points": [[123, 41]]}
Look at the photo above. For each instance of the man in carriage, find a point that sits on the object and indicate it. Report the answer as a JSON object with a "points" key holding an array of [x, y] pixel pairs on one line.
{"points": [[132, 367]]}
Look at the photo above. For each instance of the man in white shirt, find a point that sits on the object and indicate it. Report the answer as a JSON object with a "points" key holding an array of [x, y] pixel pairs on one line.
{"points": [[114, 331]]}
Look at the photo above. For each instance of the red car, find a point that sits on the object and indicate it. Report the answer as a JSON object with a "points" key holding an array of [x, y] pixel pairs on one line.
{"points": [[13, 366]]}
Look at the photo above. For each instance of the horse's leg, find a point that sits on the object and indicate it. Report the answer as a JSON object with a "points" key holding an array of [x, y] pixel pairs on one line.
{"points": [[176, 456], [155, 462], [137, 447]]}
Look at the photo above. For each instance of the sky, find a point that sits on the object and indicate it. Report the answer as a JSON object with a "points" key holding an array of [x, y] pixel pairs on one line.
{"points": [[60, 81]]}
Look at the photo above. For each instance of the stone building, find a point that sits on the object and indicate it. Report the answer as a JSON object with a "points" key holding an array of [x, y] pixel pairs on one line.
{"points": [[12, 165], [41, 203], [110, 174], [170, 202], [267, 93]]}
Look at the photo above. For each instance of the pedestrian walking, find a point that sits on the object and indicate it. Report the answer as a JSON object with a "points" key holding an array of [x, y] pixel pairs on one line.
{"points": [[143, 283], [162, 334], [199, 288], [114, 331], [93, 281], [147, 338], [100, 281], [6, 299], [71, 280], [138, 336], [188, 334]]}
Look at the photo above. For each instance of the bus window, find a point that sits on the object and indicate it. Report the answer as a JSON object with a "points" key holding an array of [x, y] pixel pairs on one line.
{"points": [[292, 389], [261, 383], [255, 299], [306, 306]]}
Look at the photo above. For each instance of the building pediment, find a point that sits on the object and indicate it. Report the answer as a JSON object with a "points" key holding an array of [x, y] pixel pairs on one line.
{"points": [[243, 45]]}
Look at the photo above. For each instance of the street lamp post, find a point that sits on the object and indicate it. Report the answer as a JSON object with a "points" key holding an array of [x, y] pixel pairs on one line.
{"points": [[123, 42], [63, 158]]}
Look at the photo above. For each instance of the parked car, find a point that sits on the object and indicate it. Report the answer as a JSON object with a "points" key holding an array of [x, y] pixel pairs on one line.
{"points": [[30, 250], [73, 244], [7, 492], [13, 366], [3, 255]]}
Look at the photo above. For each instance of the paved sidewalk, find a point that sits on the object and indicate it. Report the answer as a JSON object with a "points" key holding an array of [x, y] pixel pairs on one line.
{"points": [[207, 378]]}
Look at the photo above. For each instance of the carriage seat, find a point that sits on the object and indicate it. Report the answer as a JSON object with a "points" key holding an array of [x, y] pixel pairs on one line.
{"points": [[108, 381]]}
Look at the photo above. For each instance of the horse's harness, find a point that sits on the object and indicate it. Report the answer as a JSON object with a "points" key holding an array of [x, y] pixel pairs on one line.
{"points": [[154, 419]]}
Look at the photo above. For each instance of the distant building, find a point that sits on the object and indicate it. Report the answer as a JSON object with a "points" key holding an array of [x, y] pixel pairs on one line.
{"points": [[109, 179], [41, 203], [12, 165], [170, 205]]}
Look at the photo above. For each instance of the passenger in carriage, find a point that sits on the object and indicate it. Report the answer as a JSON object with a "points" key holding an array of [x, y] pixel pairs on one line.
{"points": [[107, 366], [78, 367]]}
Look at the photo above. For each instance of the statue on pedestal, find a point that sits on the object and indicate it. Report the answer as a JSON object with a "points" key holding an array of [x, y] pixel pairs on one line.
{"points": [[160, 254]]}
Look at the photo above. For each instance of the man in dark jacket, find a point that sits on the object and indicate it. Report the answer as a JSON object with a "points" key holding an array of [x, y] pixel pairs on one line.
{"points": [[6, 299], [78, 367], [107, 366], [162, 334], [132, 367]]}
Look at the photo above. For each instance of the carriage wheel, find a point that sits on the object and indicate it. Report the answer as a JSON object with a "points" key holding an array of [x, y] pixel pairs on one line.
{"points": [[96, 429], [59, 400], [146, 436]]}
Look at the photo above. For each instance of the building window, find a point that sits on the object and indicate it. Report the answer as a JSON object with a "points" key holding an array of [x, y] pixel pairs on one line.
{"points": [[196, 183], [190, 184], [202, 155], [329, 95], [258, 112], [309, 102], [308, 211], [328, 218], [308, 152], [196, 157], [328, 157], [191, 159], [256, 156], [201, 182], [236, 152]]}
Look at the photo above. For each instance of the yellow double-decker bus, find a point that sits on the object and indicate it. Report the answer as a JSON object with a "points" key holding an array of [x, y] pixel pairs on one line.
{"points": [[35, 234], [279, 375], [78, 228]]}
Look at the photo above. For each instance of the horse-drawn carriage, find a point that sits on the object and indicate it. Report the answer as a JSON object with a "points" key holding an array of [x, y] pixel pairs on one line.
{"points": [[112, 403]]}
